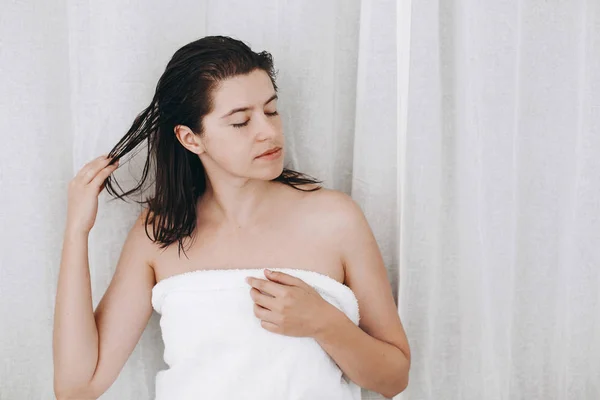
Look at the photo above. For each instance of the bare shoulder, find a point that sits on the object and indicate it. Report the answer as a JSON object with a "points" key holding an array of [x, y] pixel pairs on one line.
{"points": [[141, 236], [325, 219], [333, 207]]}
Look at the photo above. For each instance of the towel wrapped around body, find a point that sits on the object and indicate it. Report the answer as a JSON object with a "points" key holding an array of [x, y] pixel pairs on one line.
{"points": [[216, 348]]}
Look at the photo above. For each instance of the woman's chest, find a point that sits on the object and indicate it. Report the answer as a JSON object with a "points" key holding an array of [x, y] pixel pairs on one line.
{"points": [[265, 248]]}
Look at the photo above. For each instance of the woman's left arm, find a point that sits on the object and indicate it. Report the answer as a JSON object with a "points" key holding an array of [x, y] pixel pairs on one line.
{"points": [[375, 355]]}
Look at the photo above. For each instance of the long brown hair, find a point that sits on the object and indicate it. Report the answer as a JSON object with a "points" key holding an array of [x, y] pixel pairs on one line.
{"points": [[183, 97]]}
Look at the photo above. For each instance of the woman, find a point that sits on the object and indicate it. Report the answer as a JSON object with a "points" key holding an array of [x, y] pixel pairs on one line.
{"points": [[216, 142]]}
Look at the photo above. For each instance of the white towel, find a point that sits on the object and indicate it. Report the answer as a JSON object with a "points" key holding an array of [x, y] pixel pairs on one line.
{"points": [[216, 348]]}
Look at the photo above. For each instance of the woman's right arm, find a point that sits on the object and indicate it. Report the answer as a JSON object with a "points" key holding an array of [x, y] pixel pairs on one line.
{"points": [[90, 347]]}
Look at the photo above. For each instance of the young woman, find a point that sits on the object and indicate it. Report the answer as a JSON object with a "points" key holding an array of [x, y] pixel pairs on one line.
{"points": [[231, 329]]}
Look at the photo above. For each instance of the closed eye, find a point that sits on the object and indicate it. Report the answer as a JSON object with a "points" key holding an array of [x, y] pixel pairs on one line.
{"points": [[246, 123]]}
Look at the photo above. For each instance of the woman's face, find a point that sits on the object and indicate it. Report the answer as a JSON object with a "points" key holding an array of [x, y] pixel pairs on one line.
{"points": [[243, 125]]}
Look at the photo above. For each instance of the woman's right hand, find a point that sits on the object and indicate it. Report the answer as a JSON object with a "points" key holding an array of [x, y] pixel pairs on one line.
{"points": [[84, 189]]}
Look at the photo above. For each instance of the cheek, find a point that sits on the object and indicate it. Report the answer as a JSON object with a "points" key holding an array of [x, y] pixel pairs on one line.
{"points": [[232, 152]]}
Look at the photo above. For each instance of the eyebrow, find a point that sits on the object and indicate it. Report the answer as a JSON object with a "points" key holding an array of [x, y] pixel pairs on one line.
{"points": [[248, 108]]}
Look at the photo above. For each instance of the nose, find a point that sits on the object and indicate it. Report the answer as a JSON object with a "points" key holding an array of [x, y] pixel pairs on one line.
{"points": [[267, 127]]}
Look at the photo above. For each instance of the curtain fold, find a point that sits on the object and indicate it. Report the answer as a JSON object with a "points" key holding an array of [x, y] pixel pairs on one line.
{"points": [[500, 214]]}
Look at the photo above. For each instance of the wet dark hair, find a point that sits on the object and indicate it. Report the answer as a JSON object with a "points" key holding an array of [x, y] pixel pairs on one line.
{"points": [[183, 97]]}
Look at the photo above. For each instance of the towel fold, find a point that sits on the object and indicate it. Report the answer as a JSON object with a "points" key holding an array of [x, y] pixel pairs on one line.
{"points": [[216, 348]]}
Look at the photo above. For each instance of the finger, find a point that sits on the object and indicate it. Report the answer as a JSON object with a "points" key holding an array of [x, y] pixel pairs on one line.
{"points": [[87, 165], [88, 172], [266, 286], [262, 300], [284, 279], [271, 327], [262, 313], [100, 178]]}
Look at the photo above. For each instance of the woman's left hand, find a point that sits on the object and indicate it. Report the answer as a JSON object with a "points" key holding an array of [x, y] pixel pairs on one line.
{"points": [[288, 305]]}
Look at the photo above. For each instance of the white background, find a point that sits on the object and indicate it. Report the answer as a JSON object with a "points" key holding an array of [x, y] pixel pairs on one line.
{"points": [[467, 131]]}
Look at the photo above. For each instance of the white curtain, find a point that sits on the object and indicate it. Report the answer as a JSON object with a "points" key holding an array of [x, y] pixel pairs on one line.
{"points": [[500, 200], [471, 142], [74, 74]]}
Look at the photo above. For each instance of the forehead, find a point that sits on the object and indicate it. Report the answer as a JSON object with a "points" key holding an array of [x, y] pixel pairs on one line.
{"points": [[243, 90]]}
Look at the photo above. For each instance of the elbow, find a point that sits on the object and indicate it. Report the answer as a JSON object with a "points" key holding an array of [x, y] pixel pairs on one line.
{"points": [[400, 387], [75, 395], [61, 392], [82, 393], [68, 385], [400, 383]]}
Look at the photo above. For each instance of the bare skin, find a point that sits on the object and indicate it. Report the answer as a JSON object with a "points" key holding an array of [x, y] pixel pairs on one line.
{"points": [[244, 221], [281, 240]]}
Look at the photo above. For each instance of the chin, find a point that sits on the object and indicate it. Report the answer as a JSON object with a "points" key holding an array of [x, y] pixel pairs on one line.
{"points": [[268, 174]]}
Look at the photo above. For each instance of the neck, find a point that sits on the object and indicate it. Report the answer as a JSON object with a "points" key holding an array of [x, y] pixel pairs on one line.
{"points": [[236, 203]]}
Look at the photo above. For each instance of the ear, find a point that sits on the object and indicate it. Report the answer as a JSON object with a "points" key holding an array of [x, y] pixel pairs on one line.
{"points": [[189, 139]]}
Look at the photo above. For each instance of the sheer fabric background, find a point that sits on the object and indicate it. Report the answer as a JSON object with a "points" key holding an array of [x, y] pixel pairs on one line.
{"points": [[485, 113], [75, 74], [500, 206]]}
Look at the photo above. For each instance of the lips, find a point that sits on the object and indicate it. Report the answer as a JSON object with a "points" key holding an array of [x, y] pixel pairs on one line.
{"points": [[270, 151]]}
